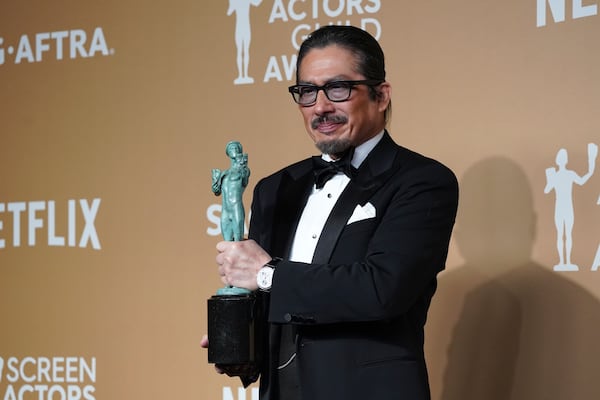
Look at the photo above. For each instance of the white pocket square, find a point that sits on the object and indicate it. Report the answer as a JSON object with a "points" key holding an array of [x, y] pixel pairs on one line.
{"points": [[362, 212]]}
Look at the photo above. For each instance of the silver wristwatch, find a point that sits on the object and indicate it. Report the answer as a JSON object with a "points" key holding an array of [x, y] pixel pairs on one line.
{"points": [[264, 277]]}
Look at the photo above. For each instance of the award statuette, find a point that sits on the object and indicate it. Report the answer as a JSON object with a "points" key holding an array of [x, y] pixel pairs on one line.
{"points": [[232, 325]]}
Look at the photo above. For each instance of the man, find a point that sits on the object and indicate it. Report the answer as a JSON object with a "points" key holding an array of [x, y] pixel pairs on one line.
{"points": [[355, 257]]}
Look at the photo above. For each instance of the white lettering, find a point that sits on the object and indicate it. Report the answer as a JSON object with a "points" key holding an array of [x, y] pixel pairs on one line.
{"points": [[43, 369], [293, 14], [34, 222], [58, 369], [355, 5], [51, 370], [377, 30], [557, 9], [40, 45], [98, 43], [300, 34], [228, 393], [12, 368], [78, 38], [41, 389], [25, 388], [289, 67], [89, 231], [54, 43], [330, 8], [374, 7], [59, 36], [274, 72], [2, 244], [53, 240], [10, 393], [335, 12], [315, 9], [24, 362], [55, 389], [74, 392], [211, 214], [278, 12], [17, 209], [86, 370], [70, 369], [24, 50], [581, 11], [71, 221], [88, 392]]}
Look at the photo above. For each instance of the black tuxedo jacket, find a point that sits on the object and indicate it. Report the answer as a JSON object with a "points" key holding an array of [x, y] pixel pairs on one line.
{"points": [[360, 307]]}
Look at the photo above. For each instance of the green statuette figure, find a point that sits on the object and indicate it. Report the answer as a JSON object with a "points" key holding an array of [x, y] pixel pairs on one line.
{"points": [[231, 184]]}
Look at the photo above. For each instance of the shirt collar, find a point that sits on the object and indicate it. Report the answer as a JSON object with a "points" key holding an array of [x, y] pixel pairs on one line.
{"points": [[361, 152]]}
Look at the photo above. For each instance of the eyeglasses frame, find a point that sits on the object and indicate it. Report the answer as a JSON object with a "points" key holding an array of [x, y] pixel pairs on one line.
{"points": [[368, 82]]}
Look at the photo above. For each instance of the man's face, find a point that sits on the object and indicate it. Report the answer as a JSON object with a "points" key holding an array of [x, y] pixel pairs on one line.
{"points": [[352, 122]]}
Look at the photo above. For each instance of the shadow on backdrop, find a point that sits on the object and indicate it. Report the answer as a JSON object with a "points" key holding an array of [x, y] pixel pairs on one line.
{"points": [[509, 327]]}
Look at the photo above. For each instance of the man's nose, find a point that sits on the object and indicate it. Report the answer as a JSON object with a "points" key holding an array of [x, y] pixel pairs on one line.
{"points": [[322, 103]]}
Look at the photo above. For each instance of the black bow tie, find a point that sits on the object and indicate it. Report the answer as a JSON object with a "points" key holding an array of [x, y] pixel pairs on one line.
{"points": [[325, 170]]}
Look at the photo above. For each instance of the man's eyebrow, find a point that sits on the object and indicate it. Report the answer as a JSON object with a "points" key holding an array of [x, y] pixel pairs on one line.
{"points": [[333, 79]]}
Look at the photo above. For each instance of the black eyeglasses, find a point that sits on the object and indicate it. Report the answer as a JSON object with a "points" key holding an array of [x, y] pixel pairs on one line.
{"points": [[336, 91]]}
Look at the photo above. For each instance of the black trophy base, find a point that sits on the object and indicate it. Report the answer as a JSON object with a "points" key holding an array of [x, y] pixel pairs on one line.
{"points": [[232, 330]]}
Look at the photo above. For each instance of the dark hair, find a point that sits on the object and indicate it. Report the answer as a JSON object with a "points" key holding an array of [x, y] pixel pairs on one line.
{"points": [[370, 60], [365, 48]]}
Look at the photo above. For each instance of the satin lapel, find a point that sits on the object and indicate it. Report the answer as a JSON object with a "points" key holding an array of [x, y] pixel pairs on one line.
{"points": [[291, 198], [375, 171], [352, 195]]}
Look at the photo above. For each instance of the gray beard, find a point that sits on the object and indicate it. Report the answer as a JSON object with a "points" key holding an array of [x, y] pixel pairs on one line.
{"points": [[335, 147]]}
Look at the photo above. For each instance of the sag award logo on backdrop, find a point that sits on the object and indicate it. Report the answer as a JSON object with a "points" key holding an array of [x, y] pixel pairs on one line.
{"points": [[562, 180], [304, 17], [48, 378], [57, 45]]}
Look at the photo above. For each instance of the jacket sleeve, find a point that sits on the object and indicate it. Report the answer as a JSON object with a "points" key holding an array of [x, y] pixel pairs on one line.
{"points": [[380, 267]]}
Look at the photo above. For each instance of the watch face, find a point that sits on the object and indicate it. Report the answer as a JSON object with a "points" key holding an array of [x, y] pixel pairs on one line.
{"points": [[264, 277]]}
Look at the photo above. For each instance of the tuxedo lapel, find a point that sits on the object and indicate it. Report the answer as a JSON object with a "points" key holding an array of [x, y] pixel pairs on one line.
{"points": [[336, 222], [291, 198], [380, 164], [377, 168]]}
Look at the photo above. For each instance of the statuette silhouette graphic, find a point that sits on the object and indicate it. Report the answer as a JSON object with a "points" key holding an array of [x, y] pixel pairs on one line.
{"points": [[561, 180], [243, 36]]}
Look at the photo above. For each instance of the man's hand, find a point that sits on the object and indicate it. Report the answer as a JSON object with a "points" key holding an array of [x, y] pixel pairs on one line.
{"points": [[248, 373], [204, 345], [239, 263]]}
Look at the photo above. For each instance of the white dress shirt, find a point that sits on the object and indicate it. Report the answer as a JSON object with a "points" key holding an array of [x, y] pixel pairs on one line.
{"points": [[321, 202]]}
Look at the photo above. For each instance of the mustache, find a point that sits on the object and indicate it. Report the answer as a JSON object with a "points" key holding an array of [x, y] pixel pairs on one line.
{"points": [[336, 119]]}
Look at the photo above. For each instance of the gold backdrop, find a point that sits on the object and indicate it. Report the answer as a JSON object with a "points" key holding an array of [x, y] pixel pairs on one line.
{"points": [[113, 114]]}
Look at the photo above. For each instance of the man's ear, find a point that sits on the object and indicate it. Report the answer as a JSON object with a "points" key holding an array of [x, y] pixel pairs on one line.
{"points": [[384, 94]]}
